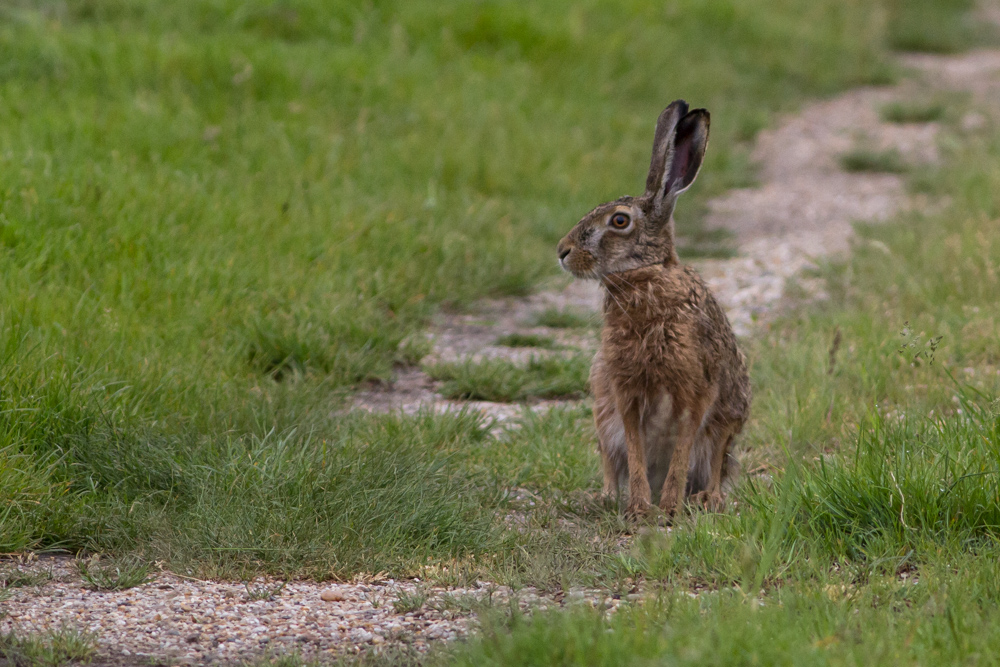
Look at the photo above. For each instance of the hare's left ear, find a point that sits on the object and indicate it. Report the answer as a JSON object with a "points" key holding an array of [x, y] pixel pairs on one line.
{"points": [[678, 151]]}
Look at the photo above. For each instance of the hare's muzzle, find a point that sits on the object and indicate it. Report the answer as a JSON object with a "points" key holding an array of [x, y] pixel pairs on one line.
{"points": [[563, 250], [571, 258]]}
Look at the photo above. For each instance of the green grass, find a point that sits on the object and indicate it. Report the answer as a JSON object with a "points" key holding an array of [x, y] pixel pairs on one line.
{"points": [[913, 112], [506, 381], [907, 493], [407, 603], [873, 536], [562, 319], [527, 340], [16, 578], [263, 591], [55, 648], [216, 217], [195, 197], [935, 26], [127, 572], [862, 160], [84, 477], [944, 619]]}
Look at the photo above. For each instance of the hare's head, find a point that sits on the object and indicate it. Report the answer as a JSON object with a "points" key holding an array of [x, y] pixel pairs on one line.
{"points": [[632, 232]]}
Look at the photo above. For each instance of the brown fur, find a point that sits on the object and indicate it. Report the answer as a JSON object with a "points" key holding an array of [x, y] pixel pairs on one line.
{"points": [[671, 388]]}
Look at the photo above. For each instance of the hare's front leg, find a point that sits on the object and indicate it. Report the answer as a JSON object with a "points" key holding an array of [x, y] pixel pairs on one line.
{"points": [[639, 493], [609, 491], [675, 485], [610, 436]]}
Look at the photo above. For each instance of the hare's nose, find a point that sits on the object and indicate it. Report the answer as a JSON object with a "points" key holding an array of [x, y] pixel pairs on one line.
{"points": [[563, 251]]}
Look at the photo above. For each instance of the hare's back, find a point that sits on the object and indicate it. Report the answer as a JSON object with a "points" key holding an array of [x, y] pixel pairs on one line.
{"points": [[722, 359]]}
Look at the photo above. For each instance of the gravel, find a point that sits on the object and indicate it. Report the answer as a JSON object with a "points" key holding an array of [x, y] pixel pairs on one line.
{"points": [[199, 622]]}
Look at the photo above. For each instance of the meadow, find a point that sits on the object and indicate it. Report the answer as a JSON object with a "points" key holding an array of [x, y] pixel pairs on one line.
{"points": [[219, 217]]}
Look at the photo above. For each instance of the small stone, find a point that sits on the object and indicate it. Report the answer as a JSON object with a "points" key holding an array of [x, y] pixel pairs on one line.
{"points": [[377, 639], [361, 636], [330, 595], [973, 121], [191, 639]]}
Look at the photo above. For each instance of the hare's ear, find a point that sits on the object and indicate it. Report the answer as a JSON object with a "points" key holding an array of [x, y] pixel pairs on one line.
{"points": [[678, 150]]}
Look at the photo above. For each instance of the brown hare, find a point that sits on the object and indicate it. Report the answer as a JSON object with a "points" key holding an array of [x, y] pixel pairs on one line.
{"points": [[670, 385]]}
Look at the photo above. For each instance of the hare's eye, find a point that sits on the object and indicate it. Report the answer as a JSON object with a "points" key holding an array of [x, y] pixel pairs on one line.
{"points": [[620, 220]]}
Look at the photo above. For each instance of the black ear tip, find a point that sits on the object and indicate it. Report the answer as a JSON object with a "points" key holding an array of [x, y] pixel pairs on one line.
{"points": [[696, 117], [680, 105]]}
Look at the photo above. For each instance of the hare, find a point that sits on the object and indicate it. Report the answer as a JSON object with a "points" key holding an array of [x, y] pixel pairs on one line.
{"points": [[670, 385]]}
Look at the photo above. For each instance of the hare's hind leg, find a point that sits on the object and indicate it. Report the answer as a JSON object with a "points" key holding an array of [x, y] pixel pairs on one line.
{"points": [[714, 498]]}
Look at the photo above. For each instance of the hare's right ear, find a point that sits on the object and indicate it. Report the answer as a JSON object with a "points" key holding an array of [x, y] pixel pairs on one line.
{"points": [[678, 150]]}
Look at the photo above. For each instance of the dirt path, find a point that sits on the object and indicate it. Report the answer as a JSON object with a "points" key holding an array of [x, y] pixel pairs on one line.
{"points": [[800, 214]]}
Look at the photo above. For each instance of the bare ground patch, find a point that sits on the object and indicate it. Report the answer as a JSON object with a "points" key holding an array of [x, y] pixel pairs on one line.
{"points": [[173, 619]]}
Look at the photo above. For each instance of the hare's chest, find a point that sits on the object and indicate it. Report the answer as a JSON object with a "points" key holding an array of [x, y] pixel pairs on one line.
{"points": [[659, 356]]}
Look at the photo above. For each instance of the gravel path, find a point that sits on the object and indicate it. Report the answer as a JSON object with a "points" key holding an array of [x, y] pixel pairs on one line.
{"points": [[177, 620], [800, 215]]}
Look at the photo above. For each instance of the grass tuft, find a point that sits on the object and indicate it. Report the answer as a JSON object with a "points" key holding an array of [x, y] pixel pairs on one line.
{"points": [[65, 646], [563, 319], [118, 575], [503, 381], [861, 160], [932, 26], [17, 578], [263, 591], [407, 603], [913, 112], [527, 340]]}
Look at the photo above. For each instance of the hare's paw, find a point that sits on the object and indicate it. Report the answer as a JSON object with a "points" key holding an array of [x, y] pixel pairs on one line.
{"points": [[608, 499], [609, 493], [638, 509], [672, 499], [710, 501], [715, 502]]}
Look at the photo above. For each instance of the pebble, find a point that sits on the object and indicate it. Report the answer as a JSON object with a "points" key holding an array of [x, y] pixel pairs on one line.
{"points": [[330, 595]]}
